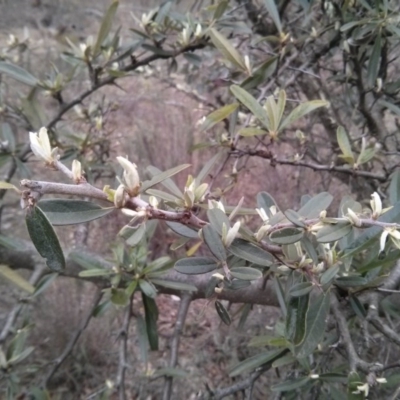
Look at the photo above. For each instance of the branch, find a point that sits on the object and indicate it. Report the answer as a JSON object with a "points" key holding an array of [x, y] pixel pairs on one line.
{"points": [[122, 366], [316, 167], [180, 321], [73, 340], [355, 362]]}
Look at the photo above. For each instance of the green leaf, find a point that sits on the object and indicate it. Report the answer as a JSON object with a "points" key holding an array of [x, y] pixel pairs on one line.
{"points": [[315, 325], [214, 242], [351, 281], [246, 273], [290, 384], [119, 297], [7, 185], [16, 278], [357, 307], [394, 188], [44, 283], [258, 360], [295, 218], [220, 9], [286, 235], [227, 49], [95, 272], [148, 289], [315, 205], [344, 144], [252, 104], [223, 313], [218, 116], [301, 110], [285, 360], [182, 230], [195, 265], [249, 132], [301, 289], [331, 233], [88, 261], [174, 285], [105, 27], [217, 218], [297, 309], [8, 136], [260, 75], [70, 212], [163, 177], [101, 308], [249, 252], [151, 316], [162, 195], [207, 168], [329, 274], [18, 73], [274, 13], [45, 239], [265, 201], [374, 61]]}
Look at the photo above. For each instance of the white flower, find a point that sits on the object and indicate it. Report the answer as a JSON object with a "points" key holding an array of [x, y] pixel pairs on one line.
{"points": [[120, 197], [40, 145], [381, 380], [77, 171], [131, 178], [362, 388], [353, 218], [263, 215]]}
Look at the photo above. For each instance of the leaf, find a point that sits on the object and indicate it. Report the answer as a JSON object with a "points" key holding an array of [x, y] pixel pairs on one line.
{"points": [[333, 232], [344, 144], [297, 309], [350, 281], [95, 272], [301, 110], [70, 211], [214, 242], [227, 49], [286, 235], [162, 177], [315, 205], [301, 289], [266, 201], [7, 185], [290, 384], [217, 218], [18, 73], [44, 283], [249, 252], [44, 238], [148, 289], [16, 279], [220, 9], [329, 274], [246, 273], [223, 313], [151, 316], [295, 218], [207, 168], [357, 307], [218, 116], [133, 235], [195, 265], [374, 61], [119, 297], [88, 261], [105, 27], [251, 103], [162, 195], [182, 230], [394, 187], [315, 325], [8, 136], [249, 132], [260, 75], [274, 13], [174, 285], [258, 360]]}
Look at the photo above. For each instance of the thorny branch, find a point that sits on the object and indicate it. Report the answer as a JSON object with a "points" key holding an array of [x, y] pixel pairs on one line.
{"points": [[180, 321]]}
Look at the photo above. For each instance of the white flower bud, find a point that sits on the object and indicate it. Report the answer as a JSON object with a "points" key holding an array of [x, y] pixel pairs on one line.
{"points": [[130, 177], [120, 197], [40, 145], [353, 218], [231, 235], [77, 171], [376, 205]]}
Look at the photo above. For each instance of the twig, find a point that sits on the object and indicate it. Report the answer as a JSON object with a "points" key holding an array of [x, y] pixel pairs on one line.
{"points": [[13, 314], [180, 321], [355, 362], [73, 340], [122, 366]]}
